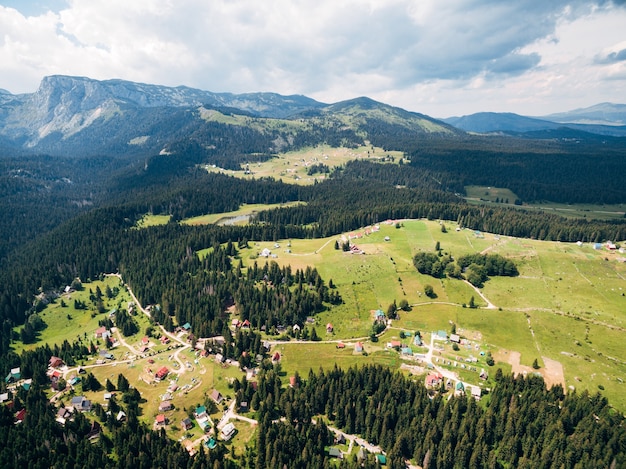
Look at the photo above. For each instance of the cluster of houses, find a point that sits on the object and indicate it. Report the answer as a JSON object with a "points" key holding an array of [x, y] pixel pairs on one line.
{"points": [[435, 380], [609, 246], [366, 232], [15, 378]]}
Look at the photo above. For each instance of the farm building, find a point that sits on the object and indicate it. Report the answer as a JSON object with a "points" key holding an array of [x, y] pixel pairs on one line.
{"points": [[14, 375], [433, 380], [81, 403], [165, 406], [200, 412], [335, 453]]}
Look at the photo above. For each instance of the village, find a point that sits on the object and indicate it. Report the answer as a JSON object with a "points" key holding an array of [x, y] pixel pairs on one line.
{"points": [[163, 360]]}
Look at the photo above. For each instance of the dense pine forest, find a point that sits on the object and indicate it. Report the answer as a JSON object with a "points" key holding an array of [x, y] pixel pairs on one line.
{"points": [[75, 217], [524, 425]]}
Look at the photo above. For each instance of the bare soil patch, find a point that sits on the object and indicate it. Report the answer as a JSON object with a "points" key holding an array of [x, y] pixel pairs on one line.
{"points": [[552, 370]]}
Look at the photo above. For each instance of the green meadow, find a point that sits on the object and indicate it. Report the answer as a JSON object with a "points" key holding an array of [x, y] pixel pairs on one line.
{"points": [[293, 167], [499, 196], [65, 322], [567, 305]]}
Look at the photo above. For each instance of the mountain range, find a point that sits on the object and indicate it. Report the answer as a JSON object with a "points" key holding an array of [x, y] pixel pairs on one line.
{"points": [[78, 115], [602, 119]]}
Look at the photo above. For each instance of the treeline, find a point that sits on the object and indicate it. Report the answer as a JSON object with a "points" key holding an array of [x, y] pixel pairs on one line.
{"points": [[362, 195], [524, 425], [566, 171]]}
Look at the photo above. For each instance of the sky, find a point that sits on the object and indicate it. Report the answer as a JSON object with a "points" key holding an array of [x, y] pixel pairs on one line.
{"points": [[439, 57]]}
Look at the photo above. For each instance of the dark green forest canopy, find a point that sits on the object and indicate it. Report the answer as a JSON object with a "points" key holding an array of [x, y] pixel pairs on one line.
{"points": [[104, 240], [524, 425]]}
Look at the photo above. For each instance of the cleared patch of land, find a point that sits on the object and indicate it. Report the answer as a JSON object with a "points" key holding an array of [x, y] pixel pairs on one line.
{"points": [[237, 217], [150, 219], [496, 196], [566, 308], [294, 167]]}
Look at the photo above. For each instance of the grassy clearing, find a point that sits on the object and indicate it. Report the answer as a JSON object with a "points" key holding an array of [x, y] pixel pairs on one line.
{"points": [[303, 357], [489, 195], [71, 324], [292, 167], [150, 219], [562, 290], [236, 217]]}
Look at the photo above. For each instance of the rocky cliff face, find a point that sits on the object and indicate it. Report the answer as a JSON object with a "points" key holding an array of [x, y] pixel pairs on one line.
{"points": [[63, 105]]}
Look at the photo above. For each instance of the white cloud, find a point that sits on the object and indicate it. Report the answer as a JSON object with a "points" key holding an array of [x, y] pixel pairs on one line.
{"points": [[440, 58]]}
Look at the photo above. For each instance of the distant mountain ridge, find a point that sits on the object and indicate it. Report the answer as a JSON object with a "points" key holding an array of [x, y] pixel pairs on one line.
{"points": [[599, 114], [78, 115], [603, 119], [484, 122]]}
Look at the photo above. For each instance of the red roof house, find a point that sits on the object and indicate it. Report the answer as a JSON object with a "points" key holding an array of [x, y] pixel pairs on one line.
{"points": [[433, 380], [162, 373], [161, 420], [21, 415]]}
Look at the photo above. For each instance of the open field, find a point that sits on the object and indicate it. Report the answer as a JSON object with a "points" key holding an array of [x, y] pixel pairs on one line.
{"points": [[150, 219], [293, 166], [240, 216], [567, 309], [567, 305], [483, 195], [68, 323]]}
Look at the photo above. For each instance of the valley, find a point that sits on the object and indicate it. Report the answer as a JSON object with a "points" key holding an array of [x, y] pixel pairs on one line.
{"points": [[232, 287]]}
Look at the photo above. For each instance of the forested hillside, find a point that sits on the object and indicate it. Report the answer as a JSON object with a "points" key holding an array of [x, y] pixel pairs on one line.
{"points": [[76, 217], [524, 426]]}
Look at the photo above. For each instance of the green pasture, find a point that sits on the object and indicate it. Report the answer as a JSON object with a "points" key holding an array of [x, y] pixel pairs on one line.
{"points": [[490, 194], [150, 219], [292, 166], [71, 324], [484, 195], [302, 357], [240, 216], [559, 284]]}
